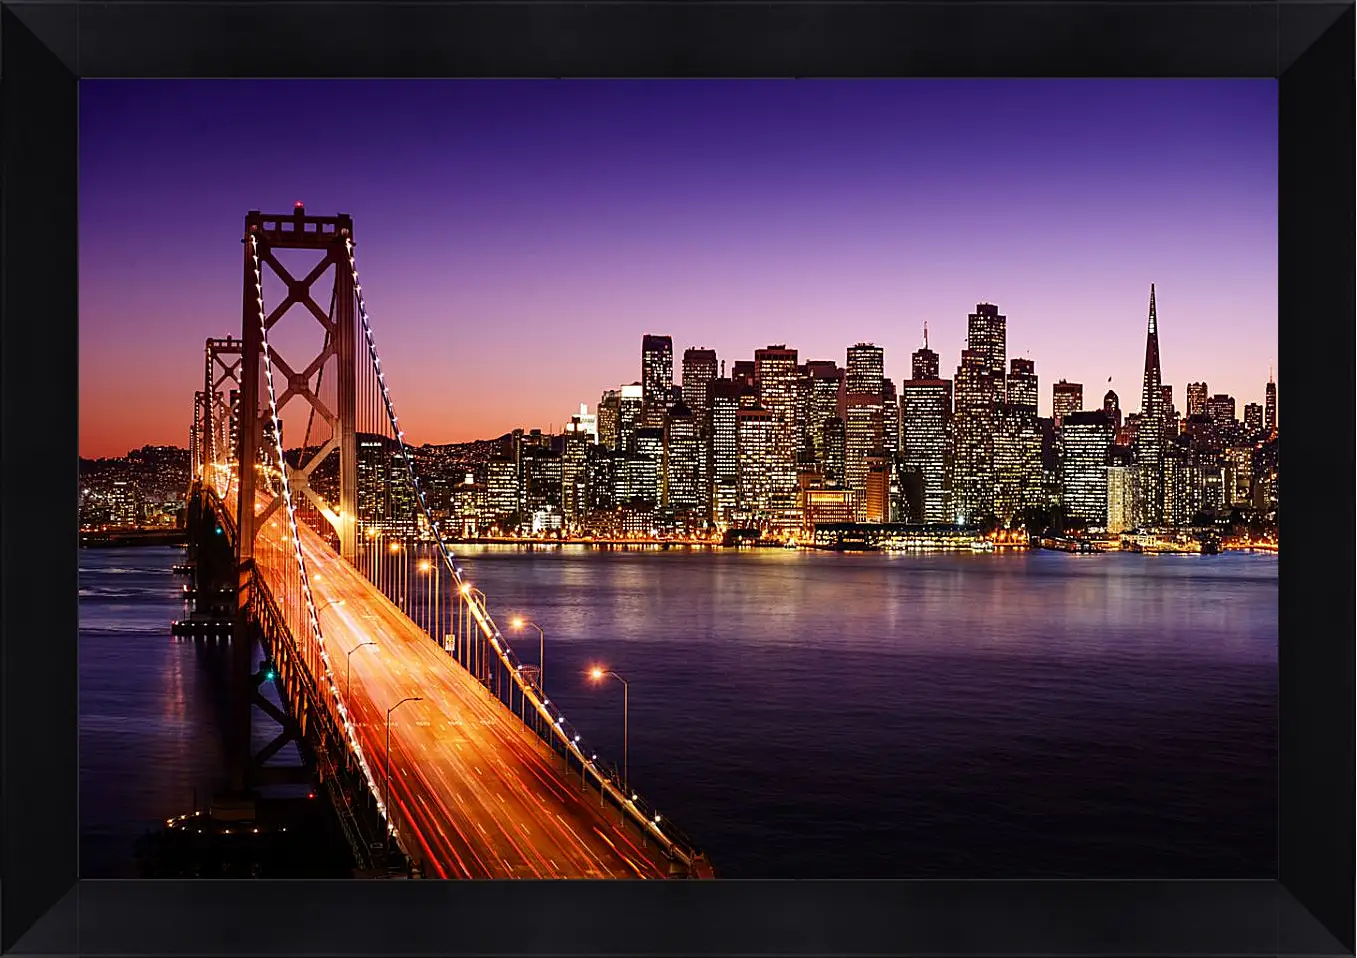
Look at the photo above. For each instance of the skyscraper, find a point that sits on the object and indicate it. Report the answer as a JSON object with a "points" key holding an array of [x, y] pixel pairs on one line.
{"points": [[835, 444], [630, 403], [657, 378], [610, 420], [755, 435], [575, 472], [1148, 450], [1120, 497], [865, 369], [682, 465], [1065, 399], [925, 417], [890, 418], [650, 446], [924, 361], [1017, 445], [1270, 405], [1086, 437], [863, 436], [978, 397], [864, 423], [826, 381], [1221, 408], [775, 371], [1196, 399], [986, 333], [1022, 386], [699, 369], [725, 449]]}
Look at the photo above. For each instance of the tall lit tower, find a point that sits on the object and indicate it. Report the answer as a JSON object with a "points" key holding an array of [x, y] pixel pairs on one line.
{"points": [[986, 333], [1270, 405], [699, 369], [775, 371], [657, 378], [1149, 442]]}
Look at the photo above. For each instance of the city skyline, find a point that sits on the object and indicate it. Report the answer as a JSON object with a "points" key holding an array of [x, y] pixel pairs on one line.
{"points": [[626, 227]]}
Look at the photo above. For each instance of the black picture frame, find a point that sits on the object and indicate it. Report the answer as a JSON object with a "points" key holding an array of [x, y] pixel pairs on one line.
{"points": [[46, 46]]}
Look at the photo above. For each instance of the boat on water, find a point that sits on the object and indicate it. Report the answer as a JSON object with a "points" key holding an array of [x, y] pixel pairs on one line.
{"points": [[982, 545]]}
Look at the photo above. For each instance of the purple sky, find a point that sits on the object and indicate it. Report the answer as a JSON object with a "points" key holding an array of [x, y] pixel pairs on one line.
{"points": [[516, 238]]}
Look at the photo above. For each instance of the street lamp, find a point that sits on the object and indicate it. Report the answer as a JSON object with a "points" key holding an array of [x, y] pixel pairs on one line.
{"points": [[517, 624], [327, 603], [348, 661], [597, 674], [467, 592], [409, 698]]}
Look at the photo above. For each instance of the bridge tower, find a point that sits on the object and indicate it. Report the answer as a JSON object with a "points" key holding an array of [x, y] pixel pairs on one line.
{"points": [[328, 236], [221, 389], [294, 378]]}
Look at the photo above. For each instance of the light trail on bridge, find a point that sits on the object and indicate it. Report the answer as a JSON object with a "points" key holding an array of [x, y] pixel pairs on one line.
{"points": [[475, 793]]}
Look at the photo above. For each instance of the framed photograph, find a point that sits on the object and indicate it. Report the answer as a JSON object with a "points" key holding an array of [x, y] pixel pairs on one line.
{"points": [[464, 460]]}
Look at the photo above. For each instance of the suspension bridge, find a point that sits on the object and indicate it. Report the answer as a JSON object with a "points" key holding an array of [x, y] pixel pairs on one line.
{"points": [[313, 546]]}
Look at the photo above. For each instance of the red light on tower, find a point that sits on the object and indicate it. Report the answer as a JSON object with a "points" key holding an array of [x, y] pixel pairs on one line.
{"points": [[298, 205]]}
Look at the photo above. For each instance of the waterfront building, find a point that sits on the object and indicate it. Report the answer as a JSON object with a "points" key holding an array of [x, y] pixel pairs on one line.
{"points": [[1185, 485], [575, 472], [877, 507], [820, 506], [834, 442], [826, 382], [1270, 405], [890, 418], [1086, 438], [1239, 475], [501, 489], [724, 449], [863, 435], [650, 446], [775, 370], [681, 460], [1120, 491], [542, 478], [754, 426], [975, 421], [603, 479], [925, 424]]}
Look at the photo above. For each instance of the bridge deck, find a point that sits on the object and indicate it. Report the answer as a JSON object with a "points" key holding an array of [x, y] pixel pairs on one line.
{"points": [[479, 790]]}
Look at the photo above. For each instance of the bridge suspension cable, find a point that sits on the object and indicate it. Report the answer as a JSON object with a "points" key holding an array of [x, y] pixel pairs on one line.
{"points": [[319, 653]]}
